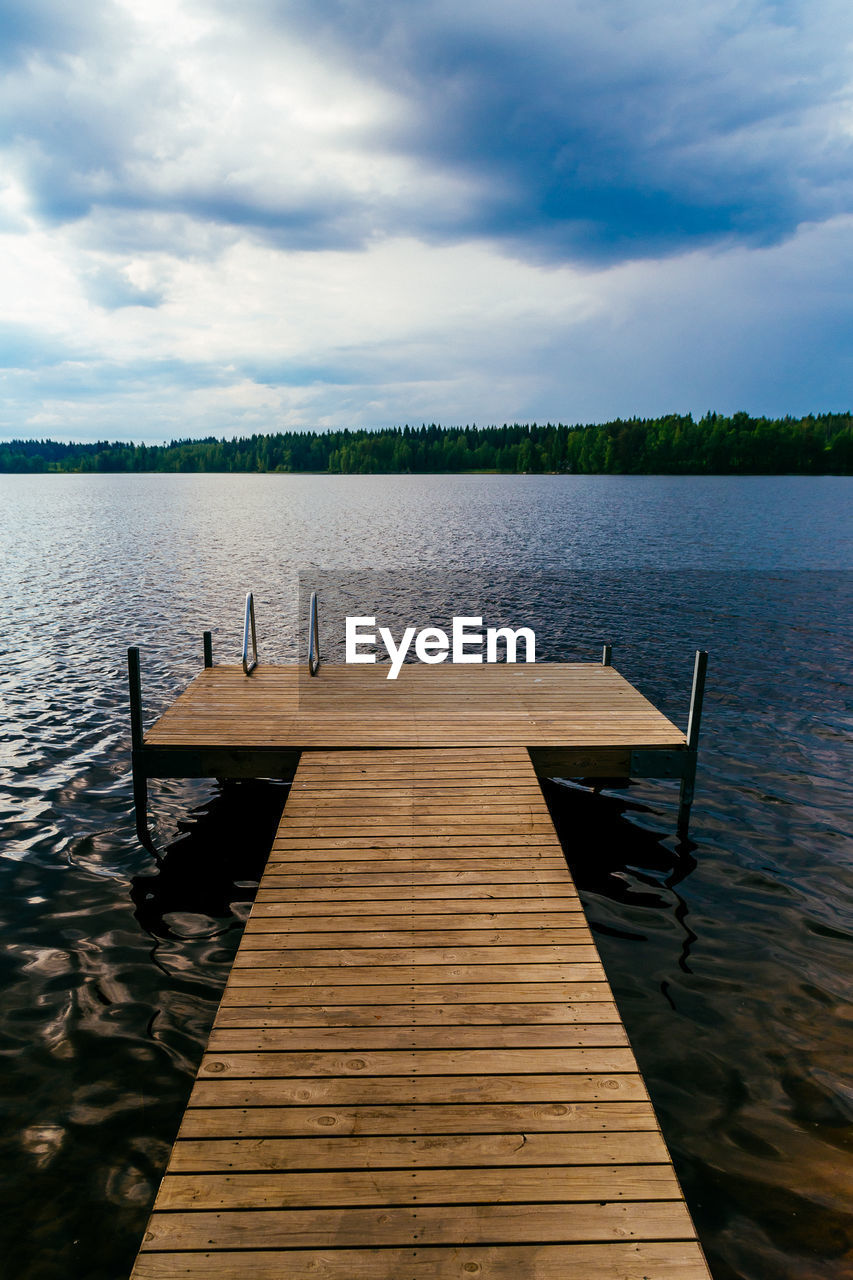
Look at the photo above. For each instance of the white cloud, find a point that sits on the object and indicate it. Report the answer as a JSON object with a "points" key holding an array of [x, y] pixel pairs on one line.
{"points": [[259, 339]]}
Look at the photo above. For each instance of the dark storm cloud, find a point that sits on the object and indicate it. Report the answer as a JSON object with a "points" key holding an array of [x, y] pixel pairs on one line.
{"points": [[612, 130], [590, 132]]}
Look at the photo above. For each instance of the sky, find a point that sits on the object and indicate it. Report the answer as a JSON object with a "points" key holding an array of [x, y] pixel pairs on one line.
{"points": [[219, 218]]}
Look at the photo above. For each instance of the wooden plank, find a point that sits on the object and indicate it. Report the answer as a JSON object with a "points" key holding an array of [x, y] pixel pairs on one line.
{"points": [[447, 913], [312, 1091], [428, 993], [380, 848], [641, 1260], [257, 939], [543, 1012], [414, 1185], [406, 1151], [374, 975], [315, 883], [419, 1118], [435, 819], [425, 1225], [428, 958], [266, 1063], [519, 1036], [474, 865], [267, 952]]}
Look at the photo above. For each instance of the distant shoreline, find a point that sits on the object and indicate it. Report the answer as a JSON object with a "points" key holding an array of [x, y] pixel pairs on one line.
{"points": [[520, 475], [675, 444]]}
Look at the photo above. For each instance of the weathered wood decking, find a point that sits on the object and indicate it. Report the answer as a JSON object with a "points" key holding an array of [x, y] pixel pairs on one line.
{"points": [[417, 1069], [545, 704]]}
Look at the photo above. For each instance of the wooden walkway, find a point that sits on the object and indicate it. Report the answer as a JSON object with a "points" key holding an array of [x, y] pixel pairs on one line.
{"points": [[417, 1068]]}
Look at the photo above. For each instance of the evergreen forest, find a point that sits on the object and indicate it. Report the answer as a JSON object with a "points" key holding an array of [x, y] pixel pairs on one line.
{"points": [[672, 445]]}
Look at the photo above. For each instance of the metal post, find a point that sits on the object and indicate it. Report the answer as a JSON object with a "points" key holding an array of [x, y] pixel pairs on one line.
{"points": [[606, 654], [688, 778], [313, 638], [249, 631], [207, 640], [140, 781], [135, 683]]}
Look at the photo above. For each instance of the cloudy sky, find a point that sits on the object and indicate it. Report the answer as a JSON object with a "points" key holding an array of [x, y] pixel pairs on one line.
{"points": [[220, 218]]}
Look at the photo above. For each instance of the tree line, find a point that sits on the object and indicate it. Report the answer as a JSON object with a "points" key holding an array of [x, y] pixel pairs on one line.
{"points": [[673, 445]]}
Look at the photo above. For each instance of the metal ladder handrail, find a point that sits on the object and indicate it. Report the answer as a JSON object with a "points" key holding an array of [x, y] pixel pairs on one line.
{"points": [[691, 759], [313, 638], [249, 626]]}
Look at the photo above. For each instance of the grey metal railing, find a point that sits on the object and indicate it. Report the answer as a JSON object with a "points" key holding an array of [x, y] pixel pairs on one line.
{"points": [[313, 638], [249, 629], [688, 777]]}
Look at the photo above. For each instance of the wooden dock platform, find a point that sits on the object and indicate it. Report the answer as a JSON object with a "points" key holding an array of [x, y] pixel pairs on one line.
{"points": [[417, 1068], [581, 718]]}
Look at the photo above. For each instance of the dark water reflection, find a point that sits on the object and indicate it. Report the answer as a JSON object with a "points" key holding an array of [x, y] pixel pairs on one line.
{"points": [[105, 1010], [730, 956]]}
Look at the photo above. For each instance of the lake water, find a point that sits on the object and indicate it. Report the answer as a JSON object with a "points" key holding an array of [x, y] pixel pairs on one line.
{"points": [[730, 957]]}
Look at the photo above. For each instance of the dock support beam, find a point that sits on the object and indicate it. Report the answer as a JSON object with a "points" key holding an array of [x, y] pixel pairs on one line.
{"points": [[140, 780], [688, 777], [207, 640], [606, 656]]}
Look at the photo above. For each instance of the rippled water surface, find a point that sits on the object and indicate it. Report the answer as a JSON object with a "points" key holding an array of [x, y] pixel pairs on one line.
{"points": [[730, 956]]}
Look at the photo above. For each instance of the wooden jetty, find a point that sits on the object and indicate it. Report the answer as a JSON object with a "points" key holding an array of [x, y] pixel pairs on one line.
{"points": [[417, 1068]]}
